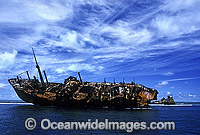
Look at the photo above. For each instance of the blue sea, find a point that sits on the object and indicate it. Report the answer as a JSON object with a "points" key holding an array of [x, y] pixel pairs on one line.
{"points": [[14, 114]]}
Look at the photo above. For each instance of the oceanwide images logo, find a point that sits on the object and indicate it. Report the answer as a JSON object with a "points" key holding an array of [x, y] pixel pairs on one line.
{"points": [[46, 124]]}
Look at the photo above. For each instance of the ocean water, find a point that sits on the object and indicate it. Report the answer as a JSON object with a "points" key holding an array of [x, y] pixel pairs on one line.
{"points": [[13, 116]]}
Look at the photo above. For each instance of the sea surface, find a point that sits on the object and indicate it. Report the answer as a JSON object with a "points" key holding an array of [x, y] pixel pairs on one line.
{"points": [[13, 115]]}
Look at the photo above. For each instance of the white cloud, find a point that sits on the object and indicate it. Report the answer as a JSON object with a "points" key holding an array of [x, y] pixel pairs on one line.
{"points": [[79, 67], [176, 18], [168, 74], [30, 11], [182, 79], [2, 85], [7, 59], [180, 95], [127, 35], [70, 40], [161, 84], [60, 70], [127, 41], [191, 95], [185, 96], [52, 11], [86, 67], [166, 25], [177, 5], [95, 2]]}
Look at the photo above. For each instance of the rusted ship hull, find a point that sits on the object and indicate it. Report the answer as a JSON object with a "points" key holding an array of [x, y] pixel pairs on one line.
{"points": [[79, 95]]}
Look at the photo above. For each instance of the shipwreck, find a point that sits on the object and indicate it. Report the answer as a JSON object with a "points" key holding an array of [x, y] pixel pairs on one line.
{"points": [[77, 93]]}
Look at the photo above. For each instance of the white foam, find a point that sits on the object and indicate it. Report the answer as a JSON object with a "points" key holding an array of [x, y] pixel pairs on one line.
{"points": [[16, 104], [176, 105]]}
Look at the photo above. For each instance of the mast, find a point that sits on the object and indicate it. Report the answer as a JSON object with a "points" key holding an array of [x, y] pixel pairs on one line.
{"points": [[80, 76], [104, 79], [38, 67]]}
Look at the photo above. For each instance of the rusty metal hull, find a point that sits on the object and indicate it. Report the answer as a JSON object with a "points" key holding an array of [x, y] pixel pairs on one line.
{"points": [[74, 93]]}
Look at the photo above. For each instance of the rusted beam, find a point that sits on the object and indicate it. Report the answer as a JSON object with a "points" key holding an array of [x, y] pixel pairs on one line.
{"points": [[28, 75], [45, 77]]}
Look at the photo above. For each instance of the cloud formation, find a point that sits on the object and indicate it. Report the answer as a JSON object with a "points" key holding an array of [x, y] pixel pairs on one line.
{"points": [[7, 59], [176, 18], [101, 38], [168, 74], [2, 85], [161, 84]]}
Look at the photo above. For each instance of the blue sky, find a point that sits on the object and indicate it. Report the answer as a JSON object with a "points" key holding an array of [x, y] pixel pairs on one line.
{"points": [[156, 43]]}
